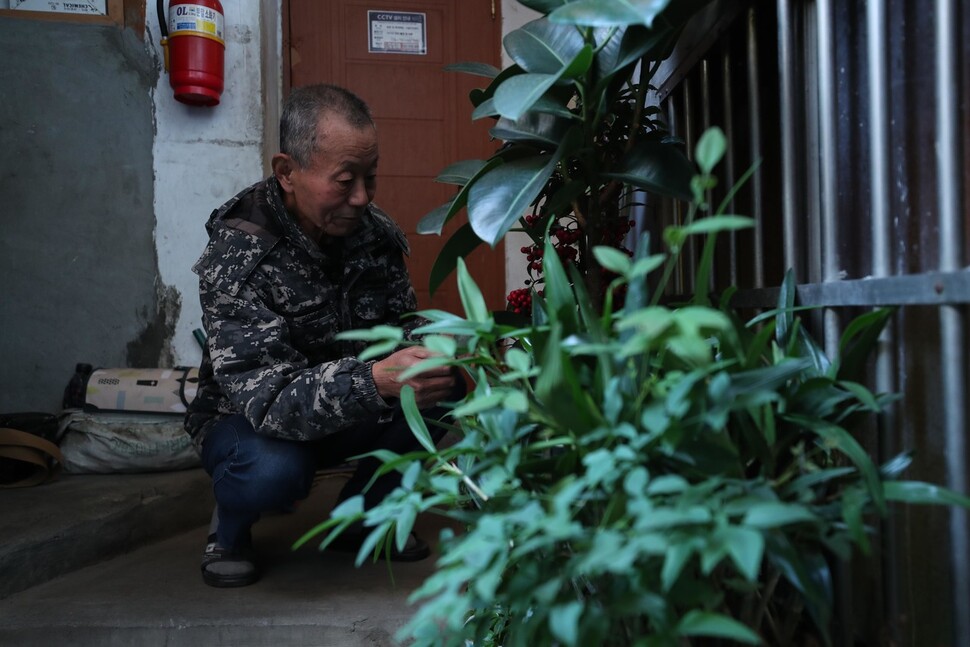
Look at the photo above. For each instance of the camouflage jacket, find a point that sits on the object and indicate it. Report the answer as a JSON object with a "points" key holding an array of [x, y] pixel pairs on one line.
{"points": [[272, 303]]}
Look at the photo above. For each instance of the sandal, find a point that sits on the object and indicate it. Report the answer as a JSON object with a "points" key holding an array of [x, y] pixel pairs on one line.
{"points": [[225, 568]]}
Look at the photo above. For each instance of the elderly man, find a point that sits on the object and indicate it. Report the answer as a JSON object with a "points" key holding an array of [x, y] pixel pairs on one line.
{"points": [[292, 261]]}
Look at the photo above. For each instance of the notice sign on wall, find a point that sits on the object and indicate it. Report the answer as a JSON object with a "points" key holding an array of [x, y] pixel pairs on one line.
{"points": [[89, 7], [396, 32]]}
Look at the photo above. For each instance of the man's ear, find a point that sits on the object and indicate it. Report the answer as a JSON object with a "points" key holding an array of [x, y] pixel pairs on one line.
{"points": [[283, 167]]}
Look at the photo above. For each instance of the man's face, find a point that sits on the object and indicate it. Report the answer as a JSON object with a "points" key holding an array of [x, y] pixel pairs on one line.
{"points": [[329, 196]]}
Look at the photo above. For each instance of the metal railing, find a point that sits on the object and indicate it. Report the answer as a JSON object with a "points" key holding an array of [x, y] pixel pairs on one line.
{"points": [[860, 116]]}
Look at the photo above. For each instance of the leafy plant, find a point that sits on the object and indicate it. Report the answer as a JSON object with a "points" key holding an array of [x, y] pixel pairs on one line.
{"points": [[626, 471], [580, 136], [641, 476]]}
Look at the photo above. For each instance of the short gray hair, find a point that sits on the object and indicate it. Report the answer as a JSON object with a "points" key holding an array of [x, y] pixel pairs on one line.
{"points": [[302, 112]]}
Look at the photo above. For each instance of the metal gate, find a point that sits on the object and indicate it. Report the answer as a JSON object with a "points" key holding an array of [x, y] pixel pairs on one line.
{"points": [[860, 115]]}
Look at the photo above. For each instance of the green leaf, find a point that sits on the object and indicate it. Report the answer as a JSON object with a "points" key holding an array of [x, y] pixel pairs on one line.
{"points": [[499, 199], [462, 243], [564, 622], [710, 149], [714, 224], [857, 342], [706, 623], [433, 222], [462, 172], [377, 333], [659, 167], [541, 47], [517, 95], [772, 514], [609, 13], [746, 547], [612, 259], [923, 494], [378, 350], [413, 415], [533, 128], [472, 67], [786, 301], [848, 445], [471, 297]]}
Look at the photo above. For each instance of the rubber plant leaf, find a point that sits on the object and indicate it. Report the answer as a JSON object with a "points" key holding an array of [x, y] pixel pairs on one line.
{"points": [[433, 222], [658, 167], [541, 47], [462, 243], [609, 13], [499, 198], [472, 67]]}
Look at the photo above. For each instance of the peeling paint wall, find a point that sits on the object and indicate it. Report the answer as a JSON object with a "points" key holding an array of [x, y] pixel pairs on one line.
{"points": [[105, 186], [77, 256], [204, 156]]}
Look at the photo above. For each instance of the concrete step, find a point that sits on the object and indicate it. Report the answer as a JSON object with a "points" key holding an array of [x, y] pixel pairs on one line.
{"points": [[155, 594], [78, 520]]}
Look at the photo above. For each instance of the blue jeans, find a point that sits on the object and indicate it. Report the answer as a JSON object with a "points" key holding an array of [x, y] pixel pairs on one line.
{"points": [[252, 474]]}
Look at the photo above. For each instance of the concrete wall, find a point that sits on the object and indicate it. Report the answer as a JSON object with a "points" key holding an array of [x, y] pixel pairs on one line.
{"points": [[77, 257], [105, 185]]}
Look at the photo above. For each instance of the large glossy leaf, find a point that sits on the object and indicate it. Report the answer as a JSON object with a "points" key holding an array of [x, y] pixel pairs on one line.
{"points": [[462, 243], [472, 67], [534, 128], [460, 172], [518, 94], [658, 167], [543, 6], [433, 222], [500, 198], [541, 47], [609, 13]]}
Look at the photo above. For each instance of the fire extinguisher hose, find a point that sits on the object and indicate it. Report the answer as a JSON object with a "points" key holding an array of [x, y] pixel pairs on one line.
{"points": [[163, 28]]}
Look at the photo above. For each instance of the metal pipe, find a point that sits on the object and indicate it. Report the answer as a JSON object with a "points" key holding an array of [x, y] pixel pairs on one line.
{"points": [[828, 163], [757, 184], [730, 174], [952, 339], [786, 72], [690, 138], [706, 123]]}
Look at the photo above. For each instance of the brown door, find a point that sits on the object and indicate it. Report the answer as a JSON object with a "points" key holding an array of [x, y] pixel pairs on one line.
{"points": [[422, 112]]}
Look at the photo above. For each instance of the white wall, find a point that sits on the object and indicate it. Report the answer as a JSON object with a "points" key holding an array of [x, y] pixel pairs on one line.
{"points": [[204, 156]]}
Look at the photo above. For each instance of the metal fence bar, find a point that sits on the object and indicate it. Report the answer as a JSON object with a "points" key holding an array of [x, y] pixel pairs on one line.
{"points": [[730, 173], [757, 184], [786, 71], [928, 289], [828, 162], [952, 350]]}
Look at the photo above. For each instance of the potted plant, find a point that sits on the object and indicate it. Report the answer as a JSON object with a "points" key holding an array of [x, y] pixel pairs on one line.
{"points": [[626, 471]]}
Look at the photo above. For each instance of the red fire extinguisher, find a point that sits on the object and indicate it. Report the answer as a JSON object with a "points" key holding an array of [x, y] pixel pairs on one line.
{"points": [[194, 46]]}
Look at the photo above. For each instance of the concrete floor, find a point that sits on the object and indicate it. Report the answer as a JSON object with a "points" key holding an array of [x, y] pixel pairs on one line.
{"points": [[154, 594]]}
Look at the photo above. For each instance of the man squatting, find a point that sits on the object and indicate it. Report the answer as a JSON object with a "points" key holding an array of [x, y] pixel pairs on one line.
{"points": [[292, 261]]}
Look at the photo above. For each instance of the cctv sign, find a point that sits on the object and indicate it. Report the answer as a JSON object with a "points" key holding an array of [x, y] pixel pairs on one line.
{"points": [[397, 32]]}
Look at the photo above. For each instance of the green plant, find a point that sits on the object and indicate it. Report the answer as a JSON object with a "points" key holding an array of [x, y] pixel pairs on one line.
{"points": [[638, 476], [626, 471], [580, 137]]}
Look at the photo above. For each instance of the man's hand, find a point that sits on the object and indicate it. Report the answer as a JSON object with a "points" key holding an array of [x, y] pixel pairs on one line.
{"points": [[430, 386]]}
